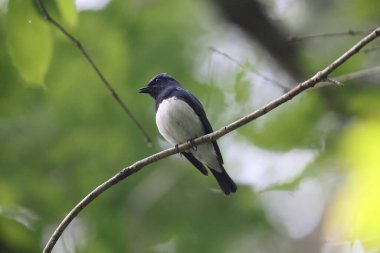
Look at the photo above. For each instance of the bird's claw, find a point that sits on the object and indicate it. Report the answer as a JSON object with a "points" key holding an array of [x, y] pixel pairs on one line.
{"points": [[191, 142]]}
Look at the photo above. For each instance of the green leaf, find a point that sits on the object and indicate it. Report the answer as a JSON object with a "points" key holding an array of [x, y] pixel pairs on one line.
{"points": [[241, 86], [354, 213], [292, 125], [68, 12], [29, 41]]}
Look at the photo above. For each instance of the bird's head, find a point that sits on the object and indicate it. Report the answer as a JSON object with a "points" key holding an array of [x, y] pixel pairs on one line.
{"points": [[158, 84]]}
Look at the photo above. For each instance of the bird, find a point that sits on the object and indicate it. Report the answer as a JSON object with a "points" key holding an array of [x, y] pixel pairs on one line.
{"points": [[180, 117]]}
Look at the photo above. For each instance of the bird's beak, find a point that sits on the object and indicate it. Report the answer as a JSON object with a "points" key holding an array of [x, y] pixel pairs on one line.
{"points": [[144, 90]]}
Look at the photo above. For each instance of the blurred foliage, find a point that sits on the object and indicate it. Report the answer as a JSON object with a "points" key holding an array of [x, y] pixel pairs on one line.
{"points": [[355, 212], [29, 41], [267, 133], [67, 12], [62, 134]]}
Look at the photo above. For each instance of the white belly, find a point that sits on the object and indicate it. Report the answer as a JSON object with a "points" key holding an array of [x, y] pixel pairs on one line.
{"points": [[177, 123]]}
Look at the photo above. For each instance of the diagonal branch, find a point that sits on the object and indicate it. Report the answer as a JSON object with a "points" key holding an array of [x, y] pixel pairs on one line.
{"points": [[351, 76], [126, 172], [359, 74], [246, 68], [327, 35], [96, 69]]}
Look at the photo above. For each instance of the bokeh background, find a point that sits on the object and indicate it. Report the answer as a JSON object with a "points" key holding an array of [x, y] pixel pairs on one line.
{"points": [[308, 172]]}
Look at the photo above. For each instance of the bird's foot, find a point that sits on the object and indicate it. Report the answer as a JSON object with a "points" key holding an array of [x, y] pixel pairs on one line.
{"points": [[193, 146], [176, 149]]}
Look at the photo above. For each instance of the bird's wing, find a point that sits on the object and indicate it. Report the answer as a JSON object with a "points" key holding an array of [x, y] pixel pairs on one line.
{"points": [[194, 161], [196, 105]]}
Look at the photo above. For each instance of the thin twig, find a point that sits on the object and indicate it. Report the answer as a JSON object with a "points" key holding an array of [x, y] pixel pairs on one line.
{"points": [[124, 173], [334, 81], [358, 74], [246, 68], [327, 35], [96, 69], [352, 76]]}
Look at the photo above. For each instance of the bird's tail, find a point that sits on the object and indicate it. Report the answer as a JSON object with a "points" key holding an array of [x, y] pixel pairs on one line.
{"points": [[224, 181]]}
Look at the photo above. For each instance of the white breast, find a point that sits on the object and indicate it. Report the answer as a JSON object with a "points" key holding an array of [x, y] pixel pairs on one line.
{"points": [[177, 122]]}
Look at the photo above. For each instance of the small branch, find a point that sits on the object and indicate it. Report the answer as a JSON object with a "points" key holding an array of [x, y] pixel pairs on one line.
{"points": [[352, 76], [359, 74], [333, 81], [246, 68], [47, 16], [327, 35], [126, 172]]}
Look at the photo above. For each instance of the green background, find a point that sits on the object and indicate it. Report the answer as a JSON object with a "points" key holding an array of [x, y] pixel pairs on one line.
{"points": [[62, 133]]}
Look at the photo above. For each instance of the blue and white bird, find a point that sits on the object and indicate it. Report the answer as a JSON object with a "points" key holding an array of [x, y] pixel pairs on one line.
{"points": [[180, 117]]}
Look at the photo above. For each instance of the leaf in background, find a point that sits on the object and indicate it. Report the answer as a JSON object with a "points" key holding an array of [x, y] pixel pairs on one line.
{"points": [[365, 101], [362, 10], [29, 41], [292, 125], [355, 212], [68, 12], [242, 87]]}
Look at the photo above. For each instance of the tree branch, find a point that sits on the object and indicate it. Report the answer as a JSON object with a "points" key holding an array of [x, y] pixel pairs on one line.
{"points": [[352, 76], [246, 68], [126, 172], [47, 16], [327, 35], [358, 74]]}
